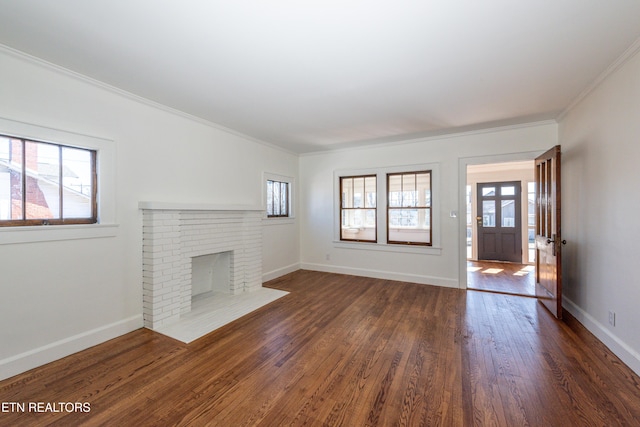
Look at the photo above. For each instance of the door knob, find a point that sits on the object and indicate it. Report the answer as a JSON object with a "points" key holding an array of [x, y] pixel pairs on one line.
{"points": [[564, 242]]}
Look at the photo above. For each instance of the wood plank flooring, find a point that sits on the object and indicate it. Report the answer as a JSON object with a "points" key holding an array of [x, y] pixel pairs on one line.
{"points": [[351, 351], [503, 277]]}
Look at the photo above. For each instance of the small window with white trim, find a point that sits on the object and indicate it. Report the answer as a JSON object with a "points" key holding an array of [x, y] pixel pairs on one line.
{"points": [[278, 195]]}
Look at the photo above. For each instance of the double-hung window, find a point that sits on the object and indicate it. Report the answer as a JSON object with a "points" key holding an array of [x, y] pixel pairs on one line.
{"points": [[391, 206], [44, 183], [358, 208], [409, 208]]}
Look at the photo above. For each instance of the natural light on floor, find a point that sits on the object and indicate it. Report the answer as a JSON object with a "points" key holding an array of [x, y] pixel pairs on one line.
{"points": [[525, 270], [493, 270]]}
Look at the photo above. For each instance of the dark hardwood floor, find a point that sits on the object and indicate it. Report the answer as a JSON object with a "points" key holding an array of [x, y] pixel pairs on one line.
{"points": [[352, 351], [503, 277]]}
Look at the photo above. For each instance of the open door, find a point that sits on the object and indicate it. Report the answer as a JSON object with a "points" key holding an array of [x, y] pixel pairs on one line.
{"points": [[548, 231]]}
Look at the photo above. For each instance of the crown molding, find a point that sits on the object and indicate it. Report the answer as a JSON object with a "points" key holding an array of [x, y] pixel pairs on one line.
{"points": [[440, 136], [629, 53], [133, 97]]}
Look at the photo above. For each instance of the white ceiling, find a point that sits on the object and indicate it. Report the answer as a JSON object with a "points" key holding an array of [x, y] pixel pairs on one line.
{"points": [[314, 75]]}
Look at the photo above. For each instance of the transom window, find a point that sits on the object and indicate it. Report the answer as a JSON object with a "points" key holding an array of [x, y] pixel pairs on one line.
{"points": [[409, 208], [43, 183], [358, 208], [277, 199]]}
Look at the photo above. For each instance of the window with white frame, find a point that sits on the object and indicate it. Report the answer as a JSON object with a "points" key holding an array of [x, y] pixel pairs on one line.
{"points": [[278, 196]]}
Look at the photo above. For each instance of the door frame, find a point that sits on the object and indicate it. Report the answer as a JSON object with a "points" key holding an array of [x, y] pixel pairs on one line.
{"points": [[463, 162]]}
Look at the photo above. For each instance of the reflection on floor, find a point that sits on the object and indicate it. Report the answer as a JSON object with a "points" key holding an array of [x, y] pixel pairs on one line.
{"points": [[509, 278]]}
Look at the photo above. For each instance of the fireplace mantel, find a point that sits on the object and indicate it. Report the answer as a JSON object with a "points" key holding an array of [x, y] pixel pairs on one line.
{"points": [[179, 206]]}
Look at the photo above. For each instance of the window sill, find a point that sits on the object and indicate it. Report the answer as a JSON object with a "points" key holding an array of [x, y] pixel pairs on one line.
{"points": [[385, 247], [50, 233]]}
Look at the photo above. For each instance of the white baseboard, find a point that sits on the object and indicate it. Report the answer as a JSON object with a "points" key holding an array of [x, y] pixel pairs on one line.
{"points": [[621, 349], [280, 272], [22, 362], [387, 275]]}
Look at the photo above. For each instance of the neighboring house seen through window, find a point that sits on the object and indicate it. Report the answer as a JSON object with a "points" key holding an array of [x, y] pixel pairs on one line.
{"points": [[43, 183]]}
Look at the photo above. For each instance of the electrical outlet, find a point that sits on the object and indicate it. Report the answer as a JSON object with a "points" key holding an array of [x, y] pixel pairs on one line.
{"points": [[327, 257], [612, 318]]}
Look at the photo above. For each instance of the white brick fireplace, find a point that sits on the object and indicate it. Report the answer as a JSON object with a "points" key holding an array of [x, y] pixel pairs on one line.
{"points": [[174, 234]]}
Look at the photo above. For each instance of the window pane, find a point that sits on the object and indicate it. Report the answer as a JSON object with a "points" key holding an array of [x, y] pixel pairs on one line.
{"points": [[276, 199], [409, 194], [358, 224], [531, 204], [347, 192], [269, 198], [403, 217], [358, 218], [77, 183], [395, 190], [358, 192], [409, 225], [10, 178], [468, 205], [508, 213], [488, 191], [508, 190], [488, 213], [532, 244], [424, 189], [284, 199], [43, 180], [370, 191]]}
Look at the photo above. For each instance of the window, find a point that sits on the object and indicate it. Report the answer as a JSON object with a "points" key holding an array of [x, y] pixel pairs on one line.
{"points": [[43, 183], [393, 207], [358, 208], [277, 199], [409, 208]]}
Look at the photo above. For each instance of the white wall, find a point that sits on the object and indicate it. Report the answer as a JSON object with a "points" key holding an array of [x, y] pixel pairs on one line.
{"points": [[601, 152], [62, 296], [440, 265]]}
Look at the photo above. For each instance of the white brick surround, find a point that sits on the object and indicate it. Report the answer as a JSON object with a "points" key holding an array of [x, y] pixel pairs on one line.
{"points": [[172, 236]]}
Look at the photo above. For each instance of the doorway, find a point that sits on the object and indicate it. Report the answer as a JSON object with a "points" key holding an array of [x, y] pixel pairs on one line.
{"points": [[500, 229]]}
